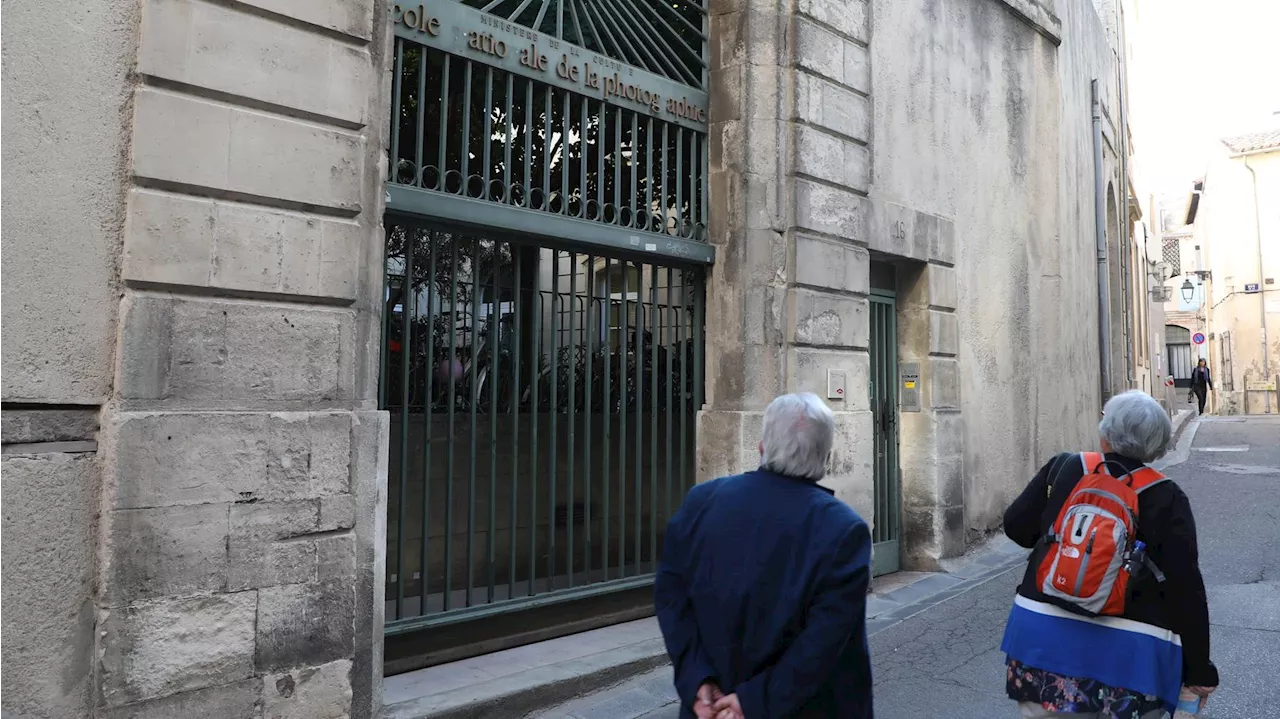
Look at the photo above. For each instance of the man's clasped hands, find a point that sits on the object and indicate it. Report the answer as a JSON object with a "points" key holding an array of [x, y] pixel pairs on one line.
{"points": [[715, 704]]}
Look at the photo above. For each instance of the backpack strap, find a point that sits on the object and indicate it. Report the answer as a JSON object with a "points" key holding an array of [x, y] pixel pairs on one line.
{"points": [[1145, 478], [1091, 460]]}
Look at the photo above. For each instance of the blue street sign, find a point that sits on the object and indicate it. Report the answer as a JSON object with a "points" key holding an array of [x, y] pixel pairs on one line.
{"points": [[1198, 338], [1252, 287]]}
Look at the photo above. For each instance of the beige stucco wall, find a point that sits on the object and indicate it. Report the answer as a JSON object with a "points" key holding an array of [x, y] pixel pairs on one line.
{"points": [[1228, 227], [981, 119], [65, 143]]}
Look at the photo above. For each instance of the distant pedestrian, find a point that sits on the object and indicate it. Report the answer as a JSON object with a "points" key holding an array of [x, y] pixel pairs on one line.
{"points": [[761, 591], [1201, 382], [1111, 618]]}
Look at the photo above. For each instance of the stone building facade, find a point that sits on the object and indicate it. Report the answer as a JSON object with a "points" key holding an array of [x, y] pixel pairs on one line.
{"points": [[194, 456], [901, 205], [1238, 224]]}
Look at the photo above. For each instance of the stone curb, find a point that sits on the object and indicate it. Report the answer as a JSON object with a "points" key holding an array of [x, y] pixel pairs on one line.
{"points": [[977, 574], [523, 693]]}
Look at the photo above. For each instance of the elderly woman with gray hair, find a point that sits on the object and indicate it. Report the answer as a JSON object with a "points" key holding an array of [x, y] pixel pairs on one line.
{"points": [[761, 591], [1111, 618]]}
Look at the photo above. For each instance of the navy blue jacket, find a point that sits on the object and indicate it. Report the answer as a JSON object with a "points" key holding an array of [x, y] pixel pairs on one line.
{"points": [[762, 589]]}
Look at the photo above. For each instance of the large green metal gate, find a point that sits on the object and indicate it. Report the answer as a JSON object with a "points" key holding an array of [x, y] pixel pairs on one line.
{"points": [[543, 328], [884, 406]]}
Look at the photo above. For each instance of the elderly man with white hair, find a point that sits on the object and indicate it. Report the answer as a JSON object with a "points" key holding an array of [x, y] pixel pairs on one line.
{"points": [[761, 592]]}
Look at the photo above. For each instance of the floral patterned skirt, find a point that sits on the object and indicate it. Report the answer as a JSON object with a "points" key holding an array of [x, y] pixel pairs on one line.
{"points": [[1070, 695]]}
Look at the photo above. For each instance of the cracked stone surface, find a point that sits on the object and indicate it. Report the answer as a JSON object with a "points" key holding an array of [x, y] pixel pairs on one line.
{"points": [[946, 662]]}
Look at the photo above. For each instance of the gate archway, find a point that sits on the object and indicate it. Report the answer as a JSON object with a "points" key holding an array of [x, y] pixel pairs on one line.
{"points": [[542, 343]]}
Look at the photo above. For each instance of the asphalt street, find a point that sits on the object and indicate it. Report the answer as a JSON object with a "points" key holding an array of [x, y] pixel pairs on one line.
{"points": [[946, 662]]}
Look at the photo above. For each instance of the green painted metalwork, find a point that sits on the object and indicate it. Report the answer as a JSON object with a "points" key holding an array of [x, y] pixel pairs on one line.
{"points": [[536, 396], [542, 336], [884, 406], [516, 155]]}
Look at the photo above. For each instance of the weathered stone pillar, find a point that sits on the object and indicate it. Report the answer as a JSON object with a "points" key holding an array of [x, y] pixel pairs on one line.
{"points": [[790, 168], [243, 506]]}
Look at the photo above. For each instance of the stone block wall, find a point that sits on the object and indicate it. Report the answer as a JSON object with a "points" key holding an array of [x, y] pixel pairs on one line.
{"points": [[790, 171], [244, 458], [50, 474]]}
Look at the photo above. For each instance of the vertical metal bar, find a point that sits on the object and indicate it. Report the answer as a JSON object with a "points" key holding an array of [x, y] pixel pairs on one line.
{"points": [[573, 398], [474, 393], [694, 189], [582, 161], [466, 131], [564, 156], [684, 338], [655, 325], [406, 350], [517, 258], [882, 333], [552, 475], [422, 116], [507, 139], [623, 392], [487, 139], [880, 395], [699, 330], [494, 331], [588, 477], [617, 166], [395, 115], [451, 363], [535, 376], [638, 379], [680, 192], [601, 130], [546, 153], [386, 321], [648, 181], [427, 416], [877, 390], [444, 121], [702, 179], [631, 189], [666, 127], [895, 517], [671, 378], [528, 142], [606, 470]]}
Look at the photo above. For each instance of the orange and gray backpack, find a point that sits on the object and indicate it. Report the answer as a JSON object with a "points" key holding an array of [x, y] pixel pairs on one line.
{"points": [[1092, 547]]}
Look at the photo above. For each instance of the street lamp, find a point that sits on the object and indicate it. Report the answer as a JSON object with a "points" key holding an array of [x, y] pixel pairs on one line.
{"points": [[1188, 291]]}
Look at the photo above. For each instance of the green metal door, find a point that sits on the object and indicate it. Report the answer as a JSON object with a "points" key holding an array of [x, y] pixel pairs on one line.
{"points": [[884, 406]]}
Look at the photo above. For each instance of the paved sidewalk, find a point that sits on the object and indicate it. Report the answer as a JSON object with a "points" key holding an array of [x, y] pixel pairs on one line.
{"points": [[895, 599]]}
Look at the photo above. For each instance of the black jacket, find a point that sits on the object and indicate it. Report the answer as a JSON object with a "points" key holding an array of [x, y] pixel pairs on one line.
{"points": [[1200, 377], [1167, 527]]}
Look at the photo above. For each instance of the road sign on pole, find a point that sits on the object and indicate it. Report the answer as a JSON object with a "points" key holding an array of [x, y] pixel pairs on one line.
{"points": [[1198, 338]]}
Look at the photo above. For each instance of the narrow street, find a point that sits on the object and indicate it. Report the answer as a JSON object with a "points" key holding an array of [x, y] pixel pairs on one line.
{"points": [[946, 662]]}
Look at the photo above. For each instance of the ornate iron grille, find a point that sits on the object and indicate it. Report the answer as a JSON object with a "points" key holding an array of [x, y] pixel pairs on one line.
{"points": [[1172, 253], [665, 38], [523, 130]]}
